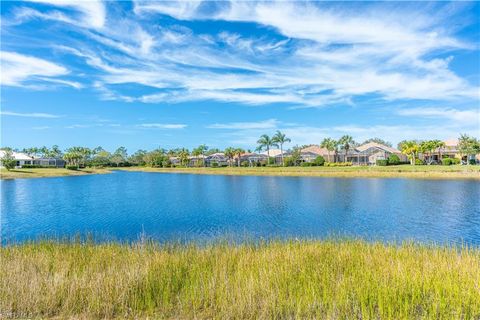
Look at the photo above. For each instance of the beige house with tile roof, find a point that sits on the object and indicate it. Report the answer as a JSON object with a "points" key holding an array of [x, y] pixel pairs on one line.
{"points": [[366, 154]]}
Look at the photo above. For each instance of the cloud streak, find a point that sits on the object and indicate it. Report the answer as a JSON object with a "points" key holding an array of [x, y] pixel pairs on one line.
{"points": [[21, 70], [173, 126], [267, 124], [465, 117], [30, 115]]}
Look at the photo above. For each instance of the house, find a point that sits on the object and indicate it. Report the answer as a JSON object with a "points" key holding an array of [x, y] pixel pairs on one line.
{"points": [[196, 161], [272, 153], [253, 159], [216, 159], [366, 154], [49, 162], [369, 153], [451, 150], [23, 159], [175, 161], [309, 154]]}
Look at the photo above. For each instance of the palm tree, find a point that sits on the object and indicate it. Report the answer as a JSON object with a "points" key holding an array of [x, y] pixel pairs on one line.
{"points": [[329, 144], [264, 143], [280, 139], [44, 152], [72, 157], [55, 152], [468, 146], [238, 153], [439, 145], [229, 153], [80, 155], [346, 142], [33, 151], [409, 148], [200, 151], [183, 155]]}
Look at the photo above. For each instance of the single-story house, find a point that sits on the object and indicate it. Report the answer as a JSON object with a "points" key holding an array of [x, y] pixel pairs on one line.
{"points": [[253, 158], [369, 153], [272, 153], [195, 161], [25, 159], [366, 154], [309, 154], [450, 150], [219, 158]]}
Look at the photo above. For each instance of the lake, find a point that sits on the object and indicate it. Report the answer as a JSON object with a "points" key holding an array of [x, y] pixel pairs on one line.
{"points": [[125, 205]]}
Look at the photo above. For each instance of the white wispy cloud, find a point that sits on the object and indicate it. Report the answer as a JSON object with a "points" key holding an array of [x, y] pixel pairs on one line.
{"points": [[163, 125], [378, 53], [29, 115], [465, 117], [267, 124], [19, 70], [321, 53], [93, 13], [78, 126]]}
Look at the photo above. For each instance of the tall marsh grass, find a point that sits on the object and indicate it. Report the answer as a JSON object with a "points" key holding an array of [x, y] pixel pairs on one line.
{"points": [[306, 279]]}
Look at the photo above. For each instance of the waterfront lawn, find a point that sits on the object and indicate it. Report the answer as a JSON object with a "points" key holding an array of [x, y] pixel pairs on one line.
{"points": [[46, 172], [407, 171], [307, 279]]}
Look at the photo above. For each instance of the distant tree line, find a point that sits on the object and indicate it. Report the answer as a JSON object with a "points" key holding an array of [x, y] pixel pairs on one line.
{"points": [[99, 157]]}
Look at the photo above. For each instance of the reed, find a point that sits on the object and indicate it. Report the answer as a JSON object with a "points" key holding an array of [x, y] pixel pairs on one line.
{"points": [[331, 279]]}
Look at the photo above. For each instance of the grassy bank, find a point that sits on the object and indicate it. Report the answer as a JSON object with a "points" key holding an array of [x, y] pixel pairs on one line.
{"points": [[318, 279], [46, 172], [405, 171]]}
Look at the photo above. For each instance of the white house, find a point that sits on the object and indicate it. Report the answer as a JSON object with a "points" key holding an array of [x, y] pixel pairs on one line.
{"points": [[25, 159], [21, 158]]}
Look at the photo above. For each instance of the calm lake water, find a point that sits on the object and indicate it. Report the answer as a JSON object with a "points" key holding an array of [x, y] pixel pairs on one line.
{"points": [[124, 205]]}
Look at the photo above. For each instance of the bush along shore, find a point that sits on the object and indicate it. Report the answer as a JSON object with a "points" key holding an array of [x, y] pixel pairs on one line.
{"points": [[329, 279]]}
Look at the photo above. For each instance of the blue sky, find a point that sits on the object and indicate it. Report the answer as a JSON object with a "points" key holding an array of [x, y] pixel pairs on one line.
{"points": [[148, 74]]}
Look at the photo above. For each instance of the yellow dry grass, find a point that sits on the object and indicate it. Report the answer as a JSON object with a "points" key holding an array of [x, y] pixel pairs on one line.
{"points": [[275, 280]]}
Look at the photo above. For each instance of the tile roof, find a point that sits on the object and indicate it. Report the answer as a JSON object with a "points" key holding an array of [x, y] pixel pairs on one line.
{"points": [[316, 149], [369, 145]]}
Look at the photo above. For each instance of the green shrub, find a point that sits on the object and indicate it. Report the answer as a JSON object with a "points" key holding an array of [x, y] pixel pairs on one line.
{"points": [[244, 163], [382, 162], [72, 167], [319, 161], [166, 163], [307, 164], [8, 161], [450, 161], [289, 162], [34, 166], [214, 164], [393, 159], [418, 162], [472, 161], [447, 161]]}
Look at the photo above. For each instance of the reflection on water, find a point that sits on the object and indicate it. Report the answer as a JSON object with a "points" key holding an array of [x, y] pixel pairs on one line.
{"points": [[201, 207]]}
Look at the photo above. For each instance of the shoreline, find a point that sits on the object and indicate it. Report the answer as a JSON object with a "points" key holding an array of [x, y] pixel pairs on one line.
{"points": [[279, 279], [34, 173], [426, 172], [402, 171]]}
